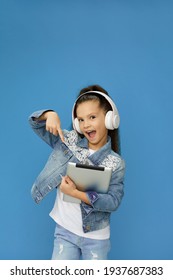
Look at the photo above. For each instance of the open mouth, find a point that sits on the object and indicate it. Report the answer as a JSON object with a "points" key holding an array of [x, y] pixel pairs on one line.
{"points": [[91, 133]]}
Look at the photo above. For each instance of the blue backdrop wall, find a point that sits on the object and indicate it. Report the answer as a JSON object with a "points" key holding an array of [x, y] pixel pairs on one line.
{"points": [[49, 50]]}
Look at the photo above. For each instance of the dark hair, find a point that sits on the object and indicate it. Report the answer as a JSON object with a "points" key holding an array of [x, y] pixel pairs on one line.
{"points": [[114, 134]]}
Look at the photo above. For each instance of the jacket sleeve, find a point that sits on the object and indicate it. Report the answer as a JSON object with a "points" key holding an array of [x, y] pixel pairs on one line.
{"points": [[39, 127], [110, 201]]}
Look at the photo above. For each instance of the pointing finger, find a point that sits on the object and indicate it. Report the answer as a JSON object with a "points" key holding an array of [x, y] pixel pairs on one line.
{"points": [[61, 135]]}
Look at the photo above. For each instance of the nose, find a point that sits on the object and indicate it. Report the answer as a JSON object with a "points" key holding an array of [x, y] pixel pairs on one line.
{"points": [[86, 124]]}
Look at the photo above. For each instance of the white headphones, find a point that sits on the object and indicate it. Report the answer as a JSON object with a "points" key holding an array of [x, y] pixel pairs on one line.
{"points": [[112, 119]]}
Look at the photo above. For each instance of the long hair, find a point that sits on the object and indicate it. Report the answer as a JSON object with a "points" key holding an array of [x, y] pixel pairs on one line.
{"points": [[114, 134]]}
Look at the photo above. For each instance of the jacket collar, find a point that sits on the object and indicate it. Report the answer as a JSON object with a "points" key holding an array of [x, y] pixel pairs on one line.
{"points": [[100, 154]]}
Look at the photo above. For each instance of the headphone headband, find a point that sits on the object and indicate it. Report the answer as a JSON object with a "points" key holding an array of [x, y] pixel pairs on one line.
{"points": [[99, 93]]}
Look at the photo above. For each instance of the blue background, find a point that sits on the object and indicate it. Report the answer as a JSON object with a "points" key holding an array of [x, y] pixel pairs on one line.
{"points": [[49, 50]]}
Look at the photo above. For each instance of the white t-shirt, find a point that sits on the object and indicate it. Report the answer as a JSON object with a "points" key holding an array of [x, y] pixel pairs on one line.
{"points": [[68, 215]]}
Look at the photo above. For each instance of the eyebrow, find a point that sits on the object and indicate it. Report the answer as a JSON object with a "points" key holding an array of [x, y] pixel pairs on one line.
{"points": [[87, 115]]}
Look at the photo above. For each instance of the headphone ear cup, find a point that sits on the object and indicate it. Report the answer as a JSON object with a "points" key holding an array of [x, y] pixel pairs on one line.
{"points": [[76, 126], [116, 121], [108, 120], [111, 120]]}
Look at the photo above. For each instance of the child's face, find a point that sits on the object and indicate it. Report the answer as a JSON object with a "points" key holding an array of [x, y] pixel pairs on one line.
{"points": [[91, 119]]}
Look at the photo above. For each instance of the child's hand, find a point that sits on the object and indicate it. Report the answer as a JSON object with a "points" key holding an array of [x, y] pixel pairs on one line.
{"points": [[67, 186], [53, 124]]}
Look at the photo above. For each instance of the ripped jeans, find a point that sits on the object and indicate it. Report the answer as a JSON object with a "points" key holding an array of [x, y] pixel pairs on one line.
{"points": [[69, 246]]}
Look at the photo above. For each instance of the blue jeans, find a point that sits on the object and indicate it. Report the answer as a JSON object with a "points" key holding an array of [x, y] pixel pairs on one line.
{"points": [[69, 246]]}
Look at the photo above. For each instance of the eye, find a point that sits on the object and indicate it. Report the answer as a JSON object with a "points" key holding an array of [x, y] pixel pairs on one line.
{"points": [[80, 120], [92, 117]]}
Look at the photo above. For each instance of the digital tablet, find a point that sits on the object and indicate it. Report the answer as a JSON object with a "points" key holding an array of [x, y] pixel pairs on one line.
{"points": [[88, 177]]}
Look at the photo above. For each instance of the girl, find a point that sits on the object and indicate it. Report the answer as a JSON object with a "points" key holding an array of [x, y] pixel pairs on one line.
{"points": [[82, 230]]}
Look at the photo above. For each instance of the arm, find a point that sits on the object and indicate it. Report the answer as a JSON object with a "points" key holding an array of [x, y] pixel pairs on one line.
{"points": [[68, 187], [110, 201], [46, 124], [99, 202]]}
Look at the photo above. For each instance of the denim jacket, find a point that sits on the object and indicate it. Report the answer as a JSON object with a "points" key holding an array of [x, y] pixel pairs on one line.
{"points": [[75, 149]]}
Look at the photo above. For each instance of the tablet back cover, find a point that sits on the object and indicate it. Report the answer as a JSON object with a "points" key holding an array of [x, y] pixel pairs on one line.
{"points": [[87, 178]]}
